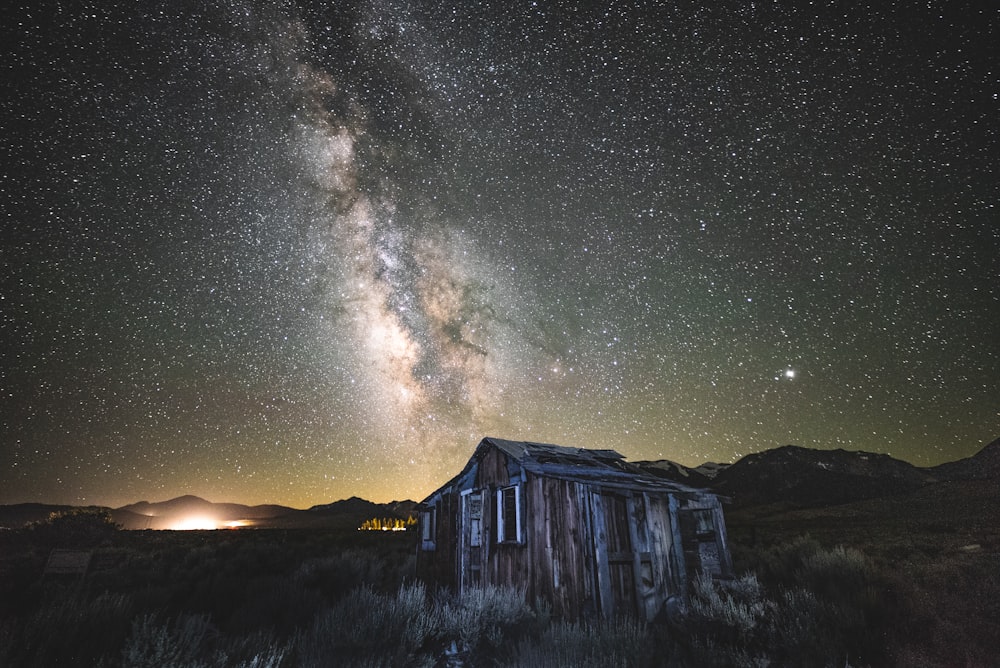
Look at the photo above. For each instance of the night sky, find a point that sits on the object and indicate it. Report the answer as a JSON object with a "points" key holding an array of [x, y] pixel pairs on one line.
{"points": [[293, 252]]}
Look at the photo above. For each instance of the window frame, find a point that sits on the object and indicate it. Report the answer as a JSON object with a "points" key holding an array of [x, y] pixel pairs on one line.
{"points": [[428, 529], [503, 516]]}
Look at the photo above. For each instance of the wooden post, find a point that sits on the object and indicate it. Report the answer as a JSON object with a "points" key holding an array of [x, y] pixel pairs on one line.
{"points": [[606, 597]]}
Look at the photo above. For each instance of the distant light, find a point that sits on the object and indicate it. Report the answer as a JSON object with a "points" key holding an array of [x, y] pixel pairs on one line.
{"points": [[237, 524], [197, 523], [789, 373]]}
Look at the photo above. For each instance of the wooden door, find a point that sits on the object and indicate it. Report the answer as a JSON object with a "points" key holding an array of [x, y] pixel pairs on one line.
{"points": [[616, 558], [471, 540]]}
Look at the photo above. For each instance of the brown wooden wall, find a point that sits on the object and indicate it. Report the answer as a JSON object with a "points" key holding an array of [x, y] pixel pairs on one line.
{"points": [[439, 567], [562, 546], [587, 550]]}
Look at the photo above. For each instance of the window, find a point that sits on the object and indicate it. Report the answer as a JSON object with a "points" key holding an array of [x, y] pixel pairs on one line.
{"points": [[475, 501], [428, 529], [509, 515], [704, 522]]}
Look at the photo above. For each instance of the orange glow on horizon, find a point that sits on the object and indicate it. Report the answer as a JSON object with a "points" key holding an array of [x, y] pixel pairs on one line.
{"points": [[194, 523]]}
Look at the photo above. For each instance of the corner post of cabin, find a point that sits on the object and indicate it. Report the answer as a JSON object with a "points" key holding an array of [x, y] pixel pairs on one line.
{"points": [[678, 547], [722, 539]]}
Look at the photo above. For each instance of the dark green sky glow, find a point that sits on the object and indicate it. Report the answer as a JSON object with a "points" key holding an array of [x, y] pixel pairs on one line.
{"points": [[286, 252]]}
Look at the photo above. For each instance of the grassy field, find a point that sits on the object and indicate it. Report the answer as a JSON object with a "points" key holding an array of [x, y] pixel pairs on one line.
{"points": [[904, 581], [935, 554]]}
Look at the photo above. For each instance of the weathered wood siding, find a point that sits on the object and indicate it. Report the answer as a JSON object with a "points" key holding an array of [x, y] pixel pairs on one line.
{"points": [[506, 564], [559, 543], [703, 532], [635, 555], [588, 547], [439, 567], [495, 470]]}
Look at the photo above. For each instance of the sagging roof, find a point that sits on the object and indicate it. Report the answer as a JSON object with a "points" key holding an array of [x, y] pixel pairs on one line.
{"points": [[605, 468], [539, 454]]}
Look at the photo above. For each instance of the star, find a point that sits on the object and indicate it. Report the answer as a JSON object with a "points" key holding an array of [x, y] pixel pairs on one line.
{"points": [[327, 244]]}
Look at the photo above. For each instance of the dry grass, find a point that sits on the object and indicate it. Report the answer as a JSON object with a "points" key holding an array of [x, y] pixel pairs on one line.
{"points": [[937, 554], [905, 581]]}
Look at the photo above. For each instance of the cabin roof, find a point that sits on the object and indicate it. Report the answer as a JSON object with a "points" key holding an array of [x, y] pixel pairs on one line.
{"points": [[540, 455], [605, 468]]}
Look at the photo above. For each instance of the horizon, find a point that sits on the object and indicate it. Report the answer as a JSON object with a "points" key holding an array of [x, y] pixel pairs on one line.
{"points": [[200, 497], [303, 250]]}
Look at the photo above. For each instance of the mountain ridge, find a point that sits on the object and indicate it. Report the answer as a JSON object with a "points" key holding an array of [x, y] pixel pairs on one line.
{"points": [[189, 511], [807, 477], [792, 475]]}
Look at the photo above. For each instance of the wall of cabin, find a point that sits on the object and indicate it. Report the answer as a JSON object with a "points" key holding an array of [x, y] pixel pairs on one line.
{"points": [[437, 560], [586, 548]]}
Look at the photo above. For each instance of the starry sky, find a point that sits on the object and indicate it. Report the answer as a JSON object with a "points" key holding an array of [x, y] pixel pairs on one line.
{"points": [[291, 252]]}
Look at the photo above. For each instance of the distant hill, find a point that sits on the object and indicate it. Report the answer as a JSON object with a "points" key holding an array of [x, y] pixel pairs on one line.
{"points": [[168, 514], [983, 465], [792, 476], [189, 504], [669, 470], [352, 506], [804, 477], [195, 512]]}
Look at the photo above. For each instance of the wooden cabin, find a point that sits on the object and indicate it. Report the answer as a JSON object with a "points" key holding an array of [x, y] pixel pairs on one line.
{"points": [[583, 529]]}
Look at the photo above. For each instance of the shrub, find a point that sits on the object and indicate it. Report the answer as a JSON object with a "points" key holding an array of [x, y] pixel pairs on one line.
{"points": [[779, 564], [183, 644], [369, 628], [824, 611], [483, 618], [282, 604], [79, 527], [86, 629], [727, 625], [335, 576], [619, 643]]}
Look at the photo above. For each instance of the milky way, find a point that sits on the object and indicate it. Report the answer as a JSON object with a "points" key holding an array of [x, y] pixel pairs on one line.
{"points": [[280, 252]]}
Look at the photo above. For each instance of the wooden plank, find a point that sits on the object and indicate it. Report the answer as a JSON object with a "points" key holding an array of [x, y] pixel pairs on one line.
{"points": [[663, 559], [587, 555], [637, 514], [621, 557], [726, 559], [606, 604], [677, 548]]}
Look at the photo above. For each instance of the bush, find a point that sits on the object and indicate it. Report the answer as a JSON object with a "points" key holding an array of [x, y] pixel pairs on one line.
{"points": [[369, 628], [615, 644], [76, 528], [484, 619], [409, 628], [86, 629], [183, 644], [824, 612], [335, 576]]}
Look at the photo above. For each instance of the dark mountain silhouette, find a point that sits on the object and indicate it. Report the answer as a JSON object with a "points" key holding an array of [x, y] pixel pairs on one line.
{"points": [[190, 505], [357, 505], [792, 476], [404, 509], [669, 470], [354, 505], [355, 510], [803, 477], [346, 514], [983, 465]]}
